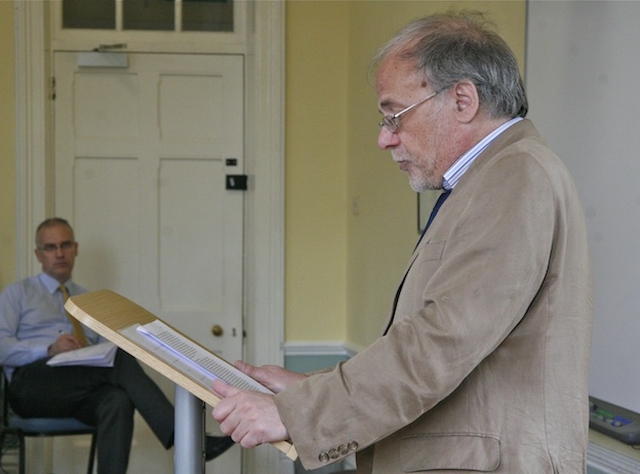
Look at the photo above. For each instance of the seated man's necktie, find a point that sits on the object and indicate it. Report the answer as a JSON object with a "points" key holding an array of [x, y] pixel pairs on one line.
{"points": [[78, 330]]}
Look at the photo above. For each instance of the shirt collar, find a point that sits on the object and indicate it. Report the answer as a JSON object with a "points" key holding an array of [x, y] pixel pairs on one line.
{"points": [[462, 164], [50, 283]]}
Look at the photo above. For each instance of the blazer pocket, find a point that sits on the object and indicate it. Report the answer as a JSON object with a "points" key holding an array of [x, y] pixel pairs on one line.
{"points": [[432, 452], [431, 251]]}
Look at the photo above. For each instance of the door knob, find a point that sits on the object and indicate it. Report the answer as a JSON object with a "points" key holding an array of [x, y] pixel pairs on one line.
{"points": [[217, 330]]}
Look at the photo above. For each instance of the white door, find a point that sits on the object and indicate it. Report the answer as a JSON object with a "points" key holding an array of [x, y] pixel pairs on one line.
{"points": [[142, 153]]}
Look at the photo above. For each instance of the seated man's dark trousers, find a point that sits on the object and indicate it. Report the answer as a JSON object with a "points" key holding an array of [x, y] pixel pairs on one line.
{"points": [[98, 396]]}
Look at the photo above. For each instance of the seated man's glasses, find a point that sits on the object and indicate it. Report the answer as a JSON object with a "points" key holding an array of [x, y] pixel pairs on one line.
{"points": [[64, 246]]}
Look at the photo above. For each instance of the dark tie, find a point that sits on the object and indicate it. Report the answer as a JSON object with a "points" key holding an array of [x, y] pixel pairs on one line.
{"points": [[78, 331], [434, 211]]}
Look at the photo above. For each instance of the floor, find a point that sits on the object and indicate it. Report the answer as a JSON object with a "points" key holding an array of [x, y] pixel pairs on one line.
{"points": [[69, 454]]}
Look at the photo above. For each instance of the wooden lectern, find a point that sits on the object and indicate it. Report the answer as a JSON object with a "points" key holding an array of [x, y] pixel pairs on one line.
{"points": [[119, 319]]}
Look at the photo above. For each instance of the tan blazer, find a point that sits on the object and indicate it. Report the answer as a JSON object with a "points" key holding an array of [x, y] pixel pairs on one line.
{"points": [[484, 368]]}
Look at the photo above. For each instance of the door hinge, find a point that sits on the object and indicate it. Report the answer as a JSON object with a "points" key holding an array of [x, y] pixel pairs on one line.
{"points": [[52, 88], [237, 182]]}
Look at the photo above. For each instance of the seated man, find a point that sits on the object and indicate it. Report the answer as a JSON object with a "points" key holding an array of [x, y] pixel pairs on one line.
{"points": [[34, 327]]}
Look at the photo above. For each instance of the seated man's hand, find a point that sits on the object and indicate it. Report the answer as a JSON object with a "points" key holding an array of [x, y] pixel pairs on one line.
{"points": [[64, 343], [250, 418]]}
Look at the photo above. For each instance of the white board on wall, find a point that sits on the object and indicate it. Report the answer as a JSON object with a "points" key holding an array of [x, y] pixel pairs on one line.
{"points": [[582, 79]]}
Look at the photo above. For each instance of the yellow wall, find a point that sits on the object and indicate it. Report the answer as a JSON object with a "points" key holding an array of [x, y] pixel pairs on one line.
{"points": [[7, 145], [342, 264], [316, 169]]}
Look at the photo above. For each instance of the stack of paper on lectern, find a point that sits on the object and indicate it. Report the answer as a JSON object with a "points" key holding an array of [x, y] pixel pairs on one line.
{"points": [[193, 359], [162, 347]]}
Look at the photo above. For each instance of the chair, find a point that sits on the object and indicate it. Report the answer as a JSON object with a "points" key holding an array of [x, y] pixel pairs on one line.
{"points": [[21, 428]]}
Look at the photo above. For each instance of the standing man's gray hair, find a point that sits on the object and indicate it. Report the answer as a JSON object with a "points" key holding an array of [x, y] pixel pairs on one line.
{"points": [[451, 47]]}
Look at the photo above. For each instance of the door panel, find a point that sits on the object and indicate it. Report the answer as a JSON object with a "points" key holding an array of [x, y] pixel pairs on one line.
{"points": [[140, 163], [188, 191]]}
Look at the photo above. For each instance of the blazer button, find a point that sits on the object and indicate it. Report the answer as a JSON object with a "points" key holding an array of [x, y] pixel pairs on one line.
{"points": [[353, 445], [323, 457], [343, 450], [333, 453]]}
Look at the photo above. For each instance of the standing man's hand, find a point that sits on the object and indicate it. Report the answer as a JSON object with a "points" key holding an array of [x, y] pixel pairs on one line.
{"points": [[274, 377], [250, 418]]}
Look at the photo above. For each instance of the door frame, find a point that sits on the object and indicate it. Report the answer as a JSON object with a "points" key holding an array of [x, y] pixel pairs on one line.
{"points": [[264, 163]]}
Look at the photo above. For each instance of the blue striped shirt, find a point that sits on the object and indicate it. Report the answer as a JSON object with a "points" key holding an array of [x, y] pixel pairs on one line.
{"points": [[462, 164]]}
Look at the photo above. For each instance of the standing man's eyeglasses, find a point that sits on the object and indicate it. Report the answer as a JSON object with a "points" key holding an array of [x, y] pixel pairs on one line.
{"points": [[392, 122]]}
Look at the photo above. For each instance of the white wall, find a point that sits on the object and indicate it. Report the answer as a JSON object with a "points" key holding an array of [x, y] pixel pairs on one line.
{"points": [[582, 74]]}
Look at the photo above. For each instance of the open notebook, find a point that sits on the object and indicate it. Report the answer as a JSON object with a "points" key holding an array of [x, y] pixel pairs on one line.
{"points": [[97, 355], [162, 347]]}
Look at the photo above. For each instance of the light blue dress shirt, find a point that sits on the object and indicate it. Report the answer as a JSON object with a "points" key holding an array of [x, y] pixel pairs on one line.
{"points": [[32, 317]]}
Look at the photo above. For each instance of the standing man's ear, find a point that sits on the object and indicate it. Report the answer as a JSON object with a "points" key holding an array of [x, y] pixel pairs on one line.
{"points": [[467, 101]]}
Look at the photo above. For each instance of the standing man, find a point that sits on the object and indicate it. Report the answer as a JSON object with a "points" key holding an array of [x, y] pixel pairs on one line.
{"points": [[34, 327], [483, 364]]}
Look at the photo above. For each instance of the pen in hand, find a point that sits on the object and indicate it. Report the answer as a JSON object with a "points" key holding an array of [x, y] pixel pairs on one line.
{"points": [[65, 342]]}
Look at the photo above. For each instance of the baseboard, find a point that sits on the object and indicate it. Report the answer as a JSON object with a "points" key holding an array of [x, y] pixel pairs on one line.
{"points": [[602, 460], [307, 356]]}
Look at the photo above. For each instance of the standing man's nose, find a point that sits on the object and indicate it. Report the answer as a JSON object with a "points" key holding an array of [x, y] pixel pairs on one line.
{"points": [[387, 139]]}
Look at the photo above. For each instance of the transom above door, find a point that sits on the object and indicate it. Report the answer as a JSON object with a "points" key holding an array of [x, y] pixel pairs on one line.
{"points": [[153, 15], [188, 26]]}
